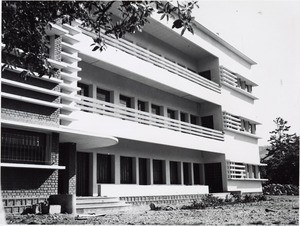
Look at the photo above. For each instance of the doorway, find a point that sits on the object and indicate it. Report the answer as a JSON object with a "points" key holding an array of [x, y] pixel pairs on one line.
{"points": [[213, 177], [82, 176]]}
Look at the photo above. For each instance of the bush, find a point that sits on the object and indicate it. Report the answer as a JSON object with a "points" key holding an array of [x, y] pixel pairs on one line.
{"points": [[212, 201], [281, 189]]}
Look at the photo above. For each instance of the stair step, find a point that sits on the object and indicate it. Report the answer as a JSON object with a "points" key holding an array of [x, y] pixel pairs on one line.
{"points": [[100, 201], [97, 206]]}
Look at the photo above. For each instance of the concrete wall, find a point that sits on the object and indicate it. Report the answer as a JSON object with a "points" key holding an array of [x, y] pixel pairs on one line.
{"points": [[244, 186], [112, 190], [241, 148]]}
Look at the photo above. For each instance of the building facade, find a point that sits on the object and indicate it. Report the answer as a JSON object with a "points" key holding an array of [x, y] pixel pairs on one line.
{"points": [[155, 113]]}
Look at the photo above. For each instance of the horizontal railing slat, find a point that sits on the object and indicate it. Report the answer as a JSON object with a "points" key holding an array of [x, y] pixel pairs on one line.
{"points": [[113, 110]]}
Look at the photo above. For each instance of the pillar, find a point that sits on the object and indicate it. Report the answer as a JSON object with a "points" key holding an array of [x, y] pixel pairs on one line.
{"points": [[117, 170], [180, 165], [167, 170], [94, 175], [67, 177]]}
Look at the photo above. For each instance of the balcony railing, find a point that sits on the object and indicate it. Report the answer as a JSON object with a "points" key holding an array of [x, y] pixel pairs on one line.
{"points": [[236, 82], [159, 61], [92, 105]]}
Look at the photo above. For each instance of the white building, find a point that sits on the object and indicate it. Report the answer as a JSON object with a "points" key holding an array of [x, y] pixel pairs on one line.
{"points": [[155, 113]]}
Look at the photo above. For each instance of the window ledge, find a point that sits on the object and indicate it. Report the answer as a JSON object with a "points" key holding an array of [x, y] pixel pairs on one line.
{"points": [[32, 166]]}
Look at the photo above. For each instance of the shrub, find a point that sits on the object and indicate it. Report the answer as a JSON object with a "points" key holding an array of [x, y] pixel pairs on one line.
{"points": [[281, 189]]}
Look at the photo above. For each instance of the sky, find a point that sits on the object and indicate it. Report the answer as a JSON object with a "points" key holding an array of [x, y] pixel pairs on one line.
{"points": [[269, 33]]}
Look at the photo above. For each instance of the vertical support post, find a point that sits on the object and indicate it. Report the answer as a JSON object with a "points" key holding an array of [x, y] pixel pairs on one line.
{"points": [[94, 172], [167, 170], [117, 170], [67, 177], [136, 170], [150, 171], [191, 173], [180, 165]]}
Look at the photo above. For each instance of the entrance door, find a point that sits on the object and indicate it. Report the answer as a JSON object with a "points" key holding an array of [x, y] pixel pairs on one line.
{"points": [[82, 178], [213, 177]]}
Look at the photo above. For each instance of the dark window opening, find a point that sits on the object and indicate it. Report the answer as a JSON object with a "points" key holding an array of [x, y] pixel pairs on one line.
{"points": [[186, 174], [206, 74], [103, 95], [19, 146], [126, 170], [155, 109], [196, 168], [104, 168], [175, 172], [143, 172], [194, 119], [171, 114], [183, 117], [84, 89], [141, 105], [158, 172], [125, 101], [207, 121]]}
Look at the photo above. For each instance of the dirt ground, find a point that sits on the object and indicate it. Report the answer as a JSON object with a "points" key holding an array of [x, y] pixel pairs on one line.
{"points": [[277, 210]]}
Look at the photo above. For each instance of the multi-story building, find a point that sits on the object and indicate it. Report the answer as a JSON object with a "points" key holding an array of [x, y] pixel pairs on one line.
{"points": [[156, 113]]}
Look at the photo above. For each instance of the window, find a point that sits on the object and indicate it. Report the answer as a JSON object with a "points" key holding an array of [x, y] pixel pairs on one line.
{"points": [[125, 101], [171, 114], [126, 170], [84, 89], [141, 105], [196, 169], [175, 172], [104, 168], [155, 109], [194, 119], [158, 172], [208, 121], [183, 117], [206, 74], [103, 95], [19, 146]]}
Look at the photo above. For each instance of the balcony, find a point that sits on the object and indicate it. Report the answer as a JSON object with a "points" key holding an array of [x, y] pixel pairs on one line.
{"points": [[237, 82], [240, 124], [159, 61], [95, 106]]}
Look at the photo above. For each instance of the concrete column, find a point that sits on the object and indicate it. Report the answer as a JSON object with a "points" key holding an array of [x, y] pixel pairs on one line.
{"points": [[202, 174], [93, 91], [94, 173], [181, 172], [67, 177], [117, 169], [250, 171], [192, 173], [150, 171], [115, 97], [136, 174], [167, 170]]}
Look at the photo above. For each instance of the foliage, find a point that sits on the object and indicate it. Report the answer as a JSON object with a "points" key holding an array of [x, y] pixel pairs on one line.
{"points": [[212, 201], [282, 158], [281, 189], [24, 23]]}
